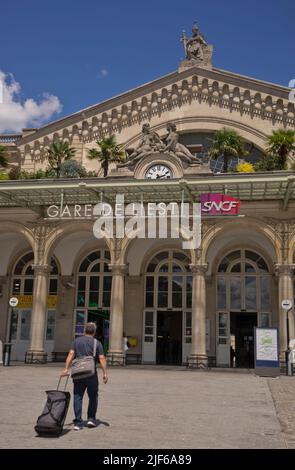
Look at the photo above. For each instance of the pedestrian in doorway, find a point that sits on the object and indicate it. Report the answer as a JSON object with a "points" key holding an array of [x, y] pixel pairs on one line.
{"points": [[232, 357], [125, 346], [81, 347]]}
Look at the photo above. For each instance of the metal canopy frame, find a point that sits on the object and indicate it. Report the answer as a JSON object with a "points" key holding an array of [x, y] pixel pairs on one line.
{"points": [[35, 194]]}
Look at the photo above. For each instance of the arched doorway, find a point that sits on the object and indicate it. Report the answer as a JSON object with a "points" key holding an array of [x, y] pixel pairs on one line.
{"points": [[93, 295], [243, 302], [22, 287], [168, 302]]}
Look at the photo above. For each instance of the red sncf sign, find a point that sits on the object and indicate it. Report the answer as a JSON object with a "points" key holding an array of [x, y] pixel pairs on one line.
{"points": [[219, 204]]}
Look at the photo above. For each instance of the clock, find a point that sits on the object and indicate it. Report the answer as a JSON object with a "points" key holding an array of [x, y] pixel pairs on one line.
{"points": [[158, 172]]}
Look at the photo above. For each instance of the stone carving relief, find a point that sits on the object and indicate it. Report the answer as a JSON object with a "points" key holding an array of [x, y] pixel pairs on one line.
{"points": [[151, 143]]}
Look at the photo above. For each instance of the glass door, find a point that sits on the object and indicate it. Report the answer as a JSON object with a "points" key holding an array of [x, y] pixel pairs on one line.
{"points": [[20, 329], [223, 340], [187, 336], [149, 336]]}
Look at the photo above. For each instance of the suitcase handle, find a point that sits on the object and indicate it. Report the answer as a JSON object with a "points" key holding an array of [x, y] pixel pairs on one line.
{"points": [[66, 383]]}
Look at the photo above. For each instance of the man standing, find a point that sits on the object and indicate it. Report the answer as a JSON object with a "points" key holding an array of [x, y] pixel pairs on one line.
{"points": [[81, 347]]}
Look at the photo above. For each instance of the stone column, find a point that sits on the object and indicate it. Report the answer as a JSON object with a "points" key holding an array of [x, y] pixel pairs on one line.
{"points": [[4, 308], [286, 291], [115, 354], [36, 352], [198, 357]]}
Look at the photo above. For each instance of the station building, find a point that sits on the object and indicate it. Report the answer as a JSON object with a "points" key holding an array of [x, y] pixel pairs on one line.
{"points": [[176, 305]]}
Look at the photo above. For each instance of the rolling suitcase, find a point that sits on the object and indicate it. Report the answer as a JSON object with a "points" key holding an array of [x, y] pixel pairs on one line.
{"points": [[51, 421]]}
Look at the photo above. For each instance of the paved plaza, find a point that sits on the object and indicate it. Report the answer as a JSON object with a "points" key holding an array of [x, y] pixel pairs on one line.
{"points": [[150, 407]]}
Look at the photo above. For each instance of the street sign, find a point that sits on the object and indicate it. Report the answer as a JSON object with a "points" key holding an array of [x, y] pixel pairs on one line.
{"points": [[13, 302], [287, 304]]}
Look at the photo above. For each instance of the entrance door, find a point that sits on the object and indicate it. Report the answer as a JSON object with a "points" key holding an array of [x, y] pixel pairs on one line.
{"points": [[20, 333], [169, 337], [242, 339], [100, 318], [102, 321]]}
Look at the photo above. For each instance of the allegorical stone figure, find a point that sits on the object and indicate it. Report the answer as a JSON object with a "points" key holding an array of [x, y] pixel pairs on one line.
{"points": [[194, 45], [173, 146], [149, 143]]}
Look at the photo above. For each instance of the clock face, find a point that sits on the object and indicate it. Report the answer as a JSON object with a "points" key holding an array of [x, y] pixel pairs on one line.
{"points": [[158, 172]]}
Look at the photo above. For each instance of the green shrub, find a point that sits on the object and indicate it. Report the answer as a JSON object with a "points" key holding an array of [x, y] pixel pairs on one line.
{"points": [[14, 173], [268, 163], [72, 169], [4, 176]]}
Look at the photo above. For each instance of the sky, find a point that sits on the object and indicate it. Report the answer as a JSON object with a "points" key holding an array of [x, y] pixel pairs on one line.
{"points": [[60, 56]]}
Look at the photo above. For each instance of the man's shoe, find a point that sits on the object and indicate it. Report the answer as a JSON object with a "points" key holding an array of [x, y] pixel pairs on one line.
{"points": [[78, 427], [91, 423]]}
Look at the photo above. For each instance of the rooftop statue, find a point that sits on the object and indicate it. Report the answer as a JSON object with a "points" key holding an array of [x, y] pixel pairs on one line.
{"points": [[197, 51], [194, 45]]}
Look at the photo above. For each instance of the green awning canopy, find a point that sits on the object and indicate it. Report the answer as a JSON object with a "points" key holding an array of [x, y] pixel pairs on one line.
{"points": [[34, 194]]}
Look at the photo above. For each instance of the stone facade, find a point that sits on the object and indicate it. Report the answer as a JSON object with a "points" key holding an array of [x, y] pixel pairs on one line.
{"points": [[197, 98]]}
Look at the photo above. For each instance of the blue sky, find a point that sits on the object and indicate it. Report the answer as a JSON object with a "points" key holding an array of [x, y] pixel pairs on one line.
{"points": [[83, 52]]}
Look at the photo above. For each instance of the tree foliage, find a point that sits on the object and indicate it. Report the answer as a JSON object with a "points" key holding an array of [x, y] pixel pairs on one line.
{"points": [[227, 143], [108, 152]]}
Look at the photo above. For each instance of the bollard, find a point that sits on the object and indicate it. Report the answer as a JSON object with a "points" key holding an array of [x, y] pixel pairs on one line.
{"points": [[7, 352], [1, 352], [289, 365]]}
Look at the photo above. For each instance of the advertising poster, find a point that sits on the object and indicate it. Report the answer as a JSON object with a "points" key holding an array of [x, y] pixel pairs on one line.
{"points": [[267, 350]]}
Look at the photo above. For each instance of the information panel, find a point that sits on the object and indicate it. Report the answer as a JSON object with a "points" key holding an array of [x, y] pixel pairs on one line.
{"points": [[267, 351]]}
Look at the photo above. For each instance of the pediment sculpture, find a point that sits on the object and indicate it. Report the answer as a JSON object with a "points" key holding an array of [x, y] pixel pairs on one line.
{"points": [[151, 143]]}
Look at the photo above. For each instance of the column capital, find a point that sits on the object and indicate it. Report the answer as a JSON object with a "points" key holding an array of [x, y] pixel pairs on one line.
{"points": [[118, 269], [284, 269], [200, 269], [41, 268]]}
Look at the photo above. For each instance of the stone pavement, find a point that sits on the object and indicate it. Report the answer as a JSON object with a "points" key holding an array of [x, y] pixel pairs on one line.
{"points": [[283, 393], [152, 407]]}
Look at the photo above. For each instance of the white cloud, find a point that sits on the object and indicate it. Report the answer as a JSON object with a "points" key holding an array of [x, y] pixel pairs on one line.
{"points": [[102, 73], [16, 114]]}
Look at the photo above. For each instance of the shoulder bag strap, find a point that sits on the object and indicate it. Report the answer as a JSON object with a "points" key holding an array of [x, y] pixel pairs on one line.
{"points": [[94, 347]]}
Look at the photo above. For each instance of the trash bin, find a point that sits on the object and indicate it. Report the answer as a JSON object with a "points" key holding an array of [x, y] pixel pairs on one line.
{"points": [[7, 353]]}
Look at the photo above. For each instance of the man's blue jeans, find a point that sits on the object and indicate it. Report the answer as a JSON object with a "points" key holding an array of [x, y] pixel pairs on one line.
{"points": [[91, 384]]}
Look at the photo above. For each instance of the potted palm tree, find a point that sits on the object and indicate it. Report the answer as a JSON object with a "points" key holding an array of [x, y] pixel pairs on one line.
{"points": [[108, 152], [59, 152], [227, 143], [280, 144]]}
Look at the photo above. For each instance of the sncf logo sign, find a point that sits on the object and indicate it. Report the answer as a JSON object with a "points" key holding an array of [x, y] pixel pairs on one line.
{"points": [[219, 204]]}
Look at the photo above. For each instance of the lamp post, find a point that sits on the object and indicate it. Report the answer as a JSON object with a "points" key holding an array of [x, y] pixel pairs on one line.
{"points": [[13, 302], [289, 370], [287, 305]]}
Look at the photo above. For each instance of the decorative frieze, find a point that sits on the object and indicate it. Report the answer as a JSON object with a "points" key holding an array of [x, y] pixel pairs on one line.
{"points": [[214, 92]]}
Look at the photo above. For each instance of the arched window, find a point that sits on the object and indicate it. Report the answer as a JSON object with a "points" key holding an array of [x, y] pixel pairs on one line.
{"points": [[168, 303], [244, 284], [94, 281], [23, 276], [168, 281], [243, 302]]}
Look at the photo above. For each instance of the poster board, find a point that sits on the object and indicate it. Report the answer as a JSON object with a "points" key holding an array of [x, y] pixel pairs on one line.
{"points": [[267, 361]]}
